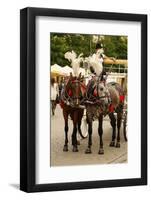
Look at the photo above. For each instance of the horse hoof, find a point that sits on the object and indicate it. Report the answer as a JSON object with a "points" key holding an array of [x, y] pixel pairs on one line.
{"points": [[112, 144], [101, 151], [75, 149], [78, 142], [88, 151], [117, 145], [65, 148]]}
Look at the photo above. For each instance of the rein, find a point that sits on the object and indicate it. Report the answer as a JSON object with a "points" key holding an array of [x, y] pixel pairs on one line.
{"points": [[95, 99], [87, 98]]}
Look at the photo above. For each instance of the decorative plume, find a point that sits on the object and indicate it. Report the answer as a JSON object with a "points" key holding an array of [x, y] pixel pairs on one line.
{"points": [[95, 62], [75, 61], [70, 56]]}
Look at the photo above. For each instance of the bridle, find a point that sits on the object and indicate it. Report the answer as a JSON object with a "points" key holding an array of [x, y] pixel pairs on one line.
{"points": [[96, 99], [87, 98], [69, 99]]}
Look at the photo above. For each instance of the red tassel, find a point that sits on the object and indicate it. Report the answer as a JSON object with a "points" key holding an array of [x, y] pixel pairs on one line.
{"points": [[70, 93], [95, 93], [111, 108], [122, 97]]}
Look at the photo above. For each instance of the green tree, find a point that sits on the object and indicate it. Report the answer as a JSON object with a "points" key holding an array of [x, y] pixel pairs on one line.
{"points": [[60, 43], [115, 46]]}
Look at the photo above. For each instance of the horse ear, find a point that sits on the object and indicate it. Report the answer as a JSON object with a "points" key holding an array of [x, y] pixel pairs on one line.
{"points": [[71, 75], [79, 76]]}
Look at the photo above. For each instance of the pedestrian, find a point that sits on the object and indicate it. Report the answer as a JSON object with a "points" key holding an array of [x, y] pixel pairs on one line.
{"points": [[61, 86], [54, 95]]}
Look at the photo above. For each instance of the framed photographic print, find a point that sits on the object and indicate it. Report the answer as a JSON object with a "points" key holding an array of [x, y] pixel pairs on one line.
{"points": [[83, 99]]}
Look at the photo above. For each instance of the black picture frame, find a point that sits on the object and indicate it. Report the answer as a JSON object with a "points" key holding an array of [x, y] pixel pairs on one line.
{"points": [[28, 99]]}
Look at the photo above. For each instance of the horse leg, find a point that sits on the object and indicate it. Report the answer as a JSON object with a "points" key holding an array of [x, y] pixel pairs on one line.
{"points": [[113, 124], [100, 132], [79, 124], [124, 127], [74, 137], [88, 150], [65, 148], [80, 132], [119, 120], [52, 107]]}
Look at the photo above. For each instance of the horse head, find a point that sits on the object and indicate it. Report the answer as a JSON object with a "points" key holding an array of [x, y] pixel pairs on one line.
{"points": [[75, 87], [75, 90], [101, 90], [97, 93]]}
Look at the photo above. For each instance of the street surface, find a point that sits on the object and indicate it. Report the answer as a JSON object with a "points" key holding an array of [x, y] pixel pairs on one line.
{"points": [[60, 158]]}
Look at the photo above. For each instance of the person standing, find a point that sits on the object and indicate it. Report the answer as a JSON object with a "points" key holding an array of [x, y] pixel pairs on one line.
{"points": [[61, 86], [54, 94]]}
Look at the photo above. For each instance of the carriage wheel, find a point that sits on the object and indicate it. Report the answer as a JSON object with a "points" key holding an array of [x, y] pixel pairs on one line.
{"points": [[84, 128]]}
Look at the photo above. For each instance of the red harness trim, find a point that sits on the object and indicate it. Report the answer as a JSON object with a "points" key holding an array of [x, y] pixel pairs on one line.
{"points": [[74, 81], [95, 92], [122, 97], [111, 108]]}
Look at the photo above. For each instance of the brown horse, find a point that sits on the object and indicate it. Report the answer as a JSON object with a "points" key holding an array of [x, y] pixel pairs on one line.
{"points": [[103, 99], [71, 101]]}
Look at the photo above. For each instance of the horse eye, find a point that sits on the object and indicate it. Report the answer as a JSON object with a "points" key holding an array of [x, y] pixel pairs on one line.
{"points": [[101, 89]]}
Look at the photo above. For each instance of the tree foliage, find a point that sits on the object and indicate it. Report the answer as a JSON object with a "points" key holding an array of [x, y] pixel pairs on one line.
{"points": [[114, 46]]}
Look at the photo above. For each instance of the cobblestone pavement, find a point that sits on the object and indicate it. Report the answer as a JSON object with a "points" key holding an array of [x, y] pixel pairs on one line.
{"points": [[60, 158]]}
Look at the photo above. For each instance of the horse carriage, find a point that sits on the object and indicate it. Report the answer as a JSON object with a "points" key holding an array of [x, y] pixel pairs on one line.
{"points": [[86, 103]]}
